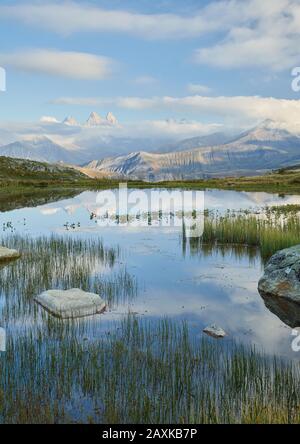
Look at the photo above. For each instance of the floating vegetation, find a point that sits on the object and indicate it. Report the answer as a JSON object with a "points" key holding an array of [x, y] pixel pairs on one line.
{"points": [[143, 372], [72, 226], [282, 210], [267, 232]]}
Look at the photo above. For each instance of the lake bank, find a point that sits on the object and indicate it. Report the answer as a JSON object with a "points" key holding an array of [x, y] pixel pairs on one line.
{"points": [[284, 181]]}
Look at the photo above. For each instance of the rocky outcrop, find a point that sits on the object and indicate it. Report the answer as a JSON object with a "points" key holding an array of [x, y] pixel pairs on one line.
{"points": [[280, 286], [282, 276], [95, 120], [287, 311], [111, 119]]}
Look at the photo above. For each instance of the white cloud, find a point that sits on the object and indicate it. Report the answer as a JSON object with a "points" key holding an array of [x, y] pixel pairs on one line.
{"points": [[249, 108], [69, 17], [267, 35], [133, 103], [178, 129], [49, 119], [196, 88], [248, 32], [83, 136], [74, 65], [160, 129], [81, 101], [49, 211]]}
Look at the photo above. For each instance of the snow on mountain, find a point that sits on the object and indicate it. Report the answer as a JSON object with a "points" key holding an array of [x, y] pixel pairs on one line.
{"points": [[267, 146], [95, 120], [261, 149], [70, 121], [41, 149], [111, 119]]}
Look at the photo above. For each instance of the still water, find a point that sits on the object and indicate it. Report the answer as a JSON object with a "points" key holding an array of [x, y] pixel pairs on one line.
{"points": [[211, 286]]}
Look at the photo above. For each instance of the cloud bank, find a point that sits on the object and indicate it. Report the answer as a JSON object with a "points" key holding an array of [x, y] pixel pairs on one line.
{"points": [[249, 108], [74, 65], [255, 33]]}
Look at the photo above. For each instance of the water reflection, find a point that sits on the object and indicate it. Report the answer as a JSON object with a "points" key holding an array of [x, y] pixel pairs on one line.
{"points": [[59, 263], [195, 247], [287, 311], [34, 197], [183, 280]]}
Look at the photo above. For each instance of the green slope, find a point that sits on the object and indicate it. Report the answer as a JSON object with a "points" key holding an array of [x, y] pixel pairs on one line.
{"points": [[23, 170]]}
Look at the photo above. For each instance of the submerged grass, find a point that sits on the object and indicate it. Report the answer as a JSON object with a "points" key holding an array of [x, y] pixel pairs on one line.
{"points": [[138, 371], [61, 262], [144, 372], [270, 233]]}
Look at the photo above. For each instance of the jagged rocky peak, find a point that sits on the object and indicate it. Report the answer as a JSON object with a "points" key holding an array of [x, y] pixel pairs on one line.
{"points": [[70, 121], [95, 119], [111, 119]]}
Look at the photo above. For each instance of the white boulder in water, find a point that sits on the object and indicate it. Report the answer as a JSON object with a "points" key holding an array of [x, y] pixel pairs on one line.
{"points": [[7, 254], [2, 340], [73, 303], [215, 332]]}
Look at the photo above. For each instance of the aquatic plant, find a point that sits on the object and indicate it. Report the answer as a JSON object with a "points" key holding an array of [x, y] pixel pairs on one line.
{"points": [[268, 232], [142, 372], [60, 262]]}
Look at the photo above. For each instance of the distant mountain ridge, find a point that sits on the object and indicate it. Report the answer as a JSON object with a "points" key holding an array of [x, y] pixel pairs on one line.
{"points": [[93, 120], [40, 149], [261, 149], [218, 138]]}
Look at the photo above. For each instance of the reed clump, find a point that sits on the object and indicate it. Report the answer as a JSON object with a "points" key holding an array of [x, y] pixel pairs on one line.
{"points": [[268, 232], [143, 372], [60, 262]]}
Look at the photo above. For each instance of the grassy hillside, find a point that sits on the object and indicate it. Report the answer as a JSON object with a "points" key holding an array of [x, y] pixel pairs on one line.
{"points": [[22, 170], [25, 176]]}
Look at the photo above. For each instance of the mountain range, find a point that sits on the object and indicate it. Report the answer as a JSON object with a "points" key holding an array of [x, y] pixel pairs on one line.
{"points": [[261, 149], [40, 149], [94, 120], [218, 138]]}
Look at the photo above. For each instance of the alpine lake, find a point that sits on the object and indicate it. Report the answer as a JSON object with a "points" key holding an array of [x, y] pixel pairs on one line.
{"points": [[145, 359]]}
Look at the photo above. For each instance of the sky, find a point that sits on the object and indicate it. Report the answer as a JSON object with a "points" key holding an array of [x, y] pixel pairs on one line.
{"points": [[173, 66]]}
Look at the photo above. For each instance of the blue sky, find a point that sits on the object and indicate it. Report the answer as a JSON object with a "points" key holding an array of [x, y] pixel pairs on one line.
{"points": [[69, 57]]}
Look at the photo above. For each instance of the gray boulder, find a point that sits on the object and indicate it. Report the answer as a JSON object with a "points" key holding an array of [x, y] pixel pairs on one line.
{"points": [[280, 286], [72, 303], [282, 276]]}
